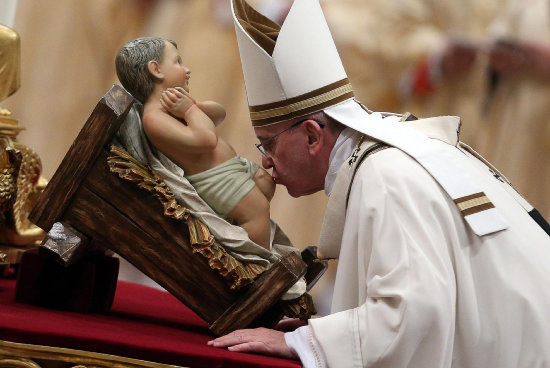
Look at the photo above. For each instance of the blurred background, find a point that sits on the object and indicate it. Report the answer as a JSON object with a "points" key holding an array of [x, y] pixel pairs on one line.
{"points": [[487, 61]]}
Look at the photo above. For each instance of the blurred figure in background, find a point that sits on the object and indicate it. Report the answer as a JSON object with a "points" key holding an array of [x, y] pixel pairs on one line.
{"points": [[485, 61], [394, 49], [506, 77], [516, 132]]}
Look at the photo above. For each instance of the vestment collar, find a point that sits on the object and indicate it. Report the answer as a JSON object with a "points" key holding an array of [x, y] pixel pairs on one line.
{"points": [[419, 140], [415, 138], [345, 144]]}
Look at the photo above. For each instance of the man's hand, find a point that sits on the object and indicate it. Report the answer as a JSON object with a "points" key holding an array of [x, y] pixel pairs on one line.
{"points": [[259, 340], [176, 101]]}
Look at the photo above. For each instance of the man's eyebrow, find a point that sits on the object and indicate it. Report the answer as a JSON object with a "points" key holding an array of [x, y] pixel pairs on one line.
{"points": [[262, 138]]}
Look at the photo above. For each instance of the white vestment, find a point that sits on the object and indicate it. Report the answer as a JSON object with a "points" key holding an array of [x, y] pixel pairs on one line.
{"points": [[415, 287]]}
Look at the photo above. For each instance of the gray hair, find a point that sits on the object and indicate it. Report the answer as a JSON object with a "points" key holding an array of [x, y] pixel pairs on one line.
{"points": [[132, 65], [334, 126]]}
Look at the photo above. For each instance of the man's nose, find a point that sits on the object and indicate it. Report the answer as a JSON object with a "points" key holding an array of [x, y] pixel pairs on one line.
{"points": [[267, 162]]}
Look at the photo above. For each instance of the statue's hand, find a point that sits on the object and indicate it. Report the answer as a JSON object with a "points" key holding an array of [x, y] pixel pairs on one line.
{"points": [[176, 101], [183, 91]]}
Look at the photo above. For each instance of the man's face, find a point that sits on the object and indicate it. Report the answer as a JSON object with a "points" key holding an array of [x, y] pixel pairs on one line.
{"points": [[175, 73], [290, 156]]}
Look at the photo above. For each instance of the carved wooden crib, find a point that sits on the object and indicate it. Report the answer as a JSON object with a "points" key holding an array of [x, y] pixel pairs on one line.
{"points": [[111, 201]]}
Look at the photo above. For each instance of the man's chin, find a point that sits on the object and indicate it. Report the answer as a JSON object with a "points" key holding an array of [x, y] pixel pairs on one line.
{"points": [[294, 195], [295, 192]]}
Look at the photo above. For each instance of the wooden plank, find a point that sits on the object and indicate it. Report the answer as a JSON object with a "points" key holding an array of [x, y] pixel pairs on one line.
{"points": [[270, 318], [184, 275], [261, 295], [140, 206], [315, 269], [102, 124]]}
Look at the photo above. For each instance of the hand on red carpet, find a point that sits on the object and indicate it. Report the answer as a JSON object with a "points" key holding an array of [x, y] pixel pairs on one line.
{"points": [[259, 340]]}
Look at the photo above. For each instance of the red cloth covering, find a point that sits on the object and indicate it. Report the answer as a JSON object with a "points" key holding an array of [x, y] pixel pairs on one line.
{"points": [[143, 323]]}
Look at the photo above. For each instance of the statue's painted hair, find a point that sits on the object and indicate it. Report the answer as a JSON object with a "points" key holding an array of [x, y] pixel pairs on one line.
{"points": [[132, 65]]}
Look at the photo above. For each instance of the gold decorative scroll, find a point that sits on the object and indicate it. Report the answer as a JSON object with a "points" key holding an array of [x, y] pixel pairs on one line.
{"points": [[237, 273], [18, 363], [203, 242], [30, 185], [10, 161], [17, 355], [127, 167], [20, 167]]}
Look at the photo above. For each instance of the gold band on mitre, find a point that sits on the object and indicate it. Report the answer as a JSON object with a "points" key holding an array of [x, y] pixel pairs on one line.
{"points": [[307, 103]]}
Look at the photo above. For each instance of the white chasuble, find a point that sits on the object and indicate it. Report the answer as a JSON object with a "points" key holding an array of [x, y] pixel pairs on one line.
{"points": [[415, 287]]}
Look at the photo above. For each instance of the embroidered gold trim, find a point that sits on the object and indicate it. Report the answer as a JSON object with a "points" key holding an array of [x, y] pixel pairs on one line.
{"points": [[381, 146], [302, 97], [358, 160], [310, 110], [18, 355], [202, 241], [473, 203], [302, 105], [127, 167]]}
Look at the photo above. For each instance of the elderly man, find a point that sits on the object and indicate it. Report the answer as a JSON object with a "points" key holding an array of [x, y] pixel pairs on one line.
{"points": [[440, 259]]}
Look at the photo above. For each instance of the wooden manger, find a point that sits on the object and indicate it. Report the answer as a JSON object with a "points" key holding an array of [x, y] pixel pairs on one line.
{"points": [[108, 212]]}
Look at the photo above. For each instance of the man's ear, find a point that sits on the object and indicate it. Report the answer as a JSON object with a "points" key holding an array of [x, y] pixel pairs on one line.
{"points": [[315, 138], [154, 68]]}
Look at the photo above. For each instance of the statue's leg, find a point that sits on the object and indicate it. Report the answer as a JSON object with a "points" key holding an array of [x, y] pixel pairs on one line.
{"points": [[265, 183]]}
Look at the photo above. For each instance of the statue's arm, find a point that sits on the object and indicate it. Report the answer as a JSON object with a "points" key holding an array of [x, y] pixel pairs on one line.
{"points": [[214, 110], [174, 137]]}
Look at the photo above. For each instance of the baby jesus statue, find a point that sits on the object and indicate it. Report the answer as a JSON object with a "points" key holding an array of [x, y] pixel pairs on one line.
{"points": [[184, 130]]}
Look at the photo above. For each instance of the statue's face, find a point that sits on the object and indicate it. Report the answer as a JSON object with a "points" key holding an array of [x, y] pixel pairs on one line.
{"points": [[10, 60], [175, 73]]}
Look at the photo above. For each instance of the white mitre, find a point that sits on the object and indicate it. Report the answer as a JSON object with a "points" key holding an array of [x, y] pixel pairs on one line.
{"points": [[294, 70], [289, 70]]}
